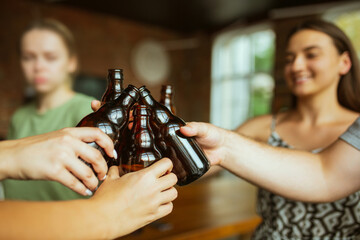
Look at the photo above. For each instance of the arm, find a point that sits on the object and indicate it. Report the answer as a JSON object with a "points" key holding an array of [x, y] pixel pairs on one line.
{"points": [[120, 206], [257, 128], [54, 156], [327, 176]]}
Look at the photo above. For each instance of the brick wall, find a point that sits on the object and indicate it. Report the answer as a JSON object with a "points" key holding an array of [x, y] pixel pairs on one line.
{"points": [[104, 42]]}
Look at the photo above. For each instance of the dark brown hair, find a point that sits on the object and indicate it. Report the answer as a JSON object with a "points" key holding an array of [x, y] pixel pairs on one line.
{"points": [[348, 91], [57, 27]]}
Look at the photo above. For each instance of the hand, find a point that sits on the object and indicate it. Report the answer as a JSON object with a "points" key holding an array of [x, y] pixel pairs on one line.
{"points": [[137, 198], [55, 156], [211, 139]]}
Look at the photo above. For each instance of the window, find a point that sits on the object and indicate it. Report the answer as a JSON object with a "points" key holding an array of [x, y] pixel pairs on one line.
{"points": [[241, 84]]}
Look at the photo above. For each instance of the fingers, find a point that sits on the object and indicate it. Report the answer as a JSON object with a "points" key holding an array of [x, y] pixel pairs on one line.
{"points": [[196, 129], [188, 130], [92, 156], [164, 210], [167, 181], [161, 167], [169, 195], [83, 173], [91, 134], [95, 105], [206, 135], [113, 173], [68, 180]]}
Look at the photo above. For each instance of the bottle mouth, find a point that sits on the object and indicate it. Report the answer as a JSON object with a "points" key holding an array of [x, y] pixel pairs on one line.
{"points": [[117, 74], [167, 89], [144, 91], [115, 70], [132, 91]]}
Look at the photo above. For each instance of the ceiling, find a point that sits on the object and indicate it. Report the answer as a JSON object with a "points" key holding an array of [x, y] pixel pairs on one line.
{"points": [[187, 16]]}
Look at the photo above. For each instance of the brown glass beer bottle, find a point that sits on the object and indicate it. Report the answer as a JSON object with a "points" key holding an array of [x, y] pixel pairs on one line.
{"points": [[188, 159], [115, 85], [142, 150], [167, 98], [112, 117]]}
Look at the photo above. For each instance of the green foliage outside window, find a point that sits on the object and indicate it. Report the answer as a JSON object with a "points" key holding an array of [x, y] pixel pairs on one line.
{"points": [[350, 23], [262, 83]]}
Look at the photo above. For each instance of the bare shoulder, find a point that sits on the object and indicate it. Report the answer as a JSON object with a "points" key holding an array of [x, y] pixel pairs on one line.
{"points": [[258, 128], [346, 118], [352, 116]]}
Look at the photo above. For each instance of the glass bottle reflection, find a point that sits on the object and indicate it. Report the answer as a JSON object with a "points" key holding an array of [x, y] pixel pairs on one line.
{"points": [[167, 98], [141, 151], [189, 161], [112, 117], [114, 87]]}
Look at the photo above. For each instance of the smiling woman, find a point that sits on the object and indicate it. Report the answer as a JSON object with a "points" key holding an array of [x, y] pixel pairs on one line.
{"points": [[320, 66], [49, 61]]}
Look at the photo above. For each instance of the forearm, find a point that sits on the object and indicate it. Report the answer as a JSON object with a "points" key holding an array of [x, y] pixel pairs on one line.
{"points": [[50, 220], [295, 174], [6, 163]]}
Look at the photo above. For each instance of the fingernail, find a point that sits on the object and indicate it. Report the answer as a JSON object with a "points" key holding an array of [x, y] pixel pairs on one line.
{"points": [[88, 192], [104, 178], [115, 154]]}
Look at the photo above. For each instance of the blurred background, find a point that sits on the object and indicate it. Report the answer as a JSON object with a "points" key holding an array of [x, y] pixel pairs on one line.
{"points": [[222, 56]]}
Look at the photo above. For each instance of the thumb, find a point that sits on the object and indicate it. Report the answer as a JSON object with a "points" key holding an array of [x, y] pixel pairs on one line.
{"points": [[161, 167], [195, 129], [95, 105], [113, 173]]}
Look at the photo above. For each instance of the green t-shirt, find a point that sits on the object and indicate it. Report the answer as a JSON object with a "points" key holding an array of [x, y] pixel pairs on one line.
{"points": [[27, 122]]}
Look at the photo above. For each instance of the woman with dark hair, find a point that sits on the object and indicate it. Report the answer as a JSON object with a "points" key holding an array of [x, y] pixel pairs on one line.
{"points": [[49, 62], [322, 72]]}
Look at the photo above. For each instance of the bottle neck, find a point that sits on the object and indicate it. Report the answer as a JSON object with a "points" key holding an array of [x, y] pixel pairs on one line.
{"points": [[126, 101], [149, 100], [166, 98], [141, 122], [116, 85]]}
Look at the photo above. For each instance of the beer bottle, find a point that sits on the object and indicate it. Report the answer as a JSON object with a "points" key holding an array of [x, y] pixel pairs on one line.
{"points": [[120, 145], [142, 151], [115, 85], [167, 98], [112, 117], [188, 159]]}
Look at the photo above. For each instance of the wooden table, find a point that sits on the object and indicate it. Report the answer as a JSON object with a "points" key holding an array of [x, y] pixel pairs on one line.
{"points": [[211, 208]]}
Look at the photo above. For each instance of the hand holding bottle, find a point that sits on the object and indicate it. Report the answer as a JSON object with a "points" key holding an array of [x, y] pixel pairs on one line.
{"points": [[135, 199], [55, 156], [189, 160], [210, 138], [112, 117]]}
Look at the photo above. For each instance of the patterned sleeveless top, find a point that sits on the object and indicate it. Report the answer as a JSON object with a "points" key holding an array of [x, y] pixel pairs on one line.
{"points": [[286, 219]]}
